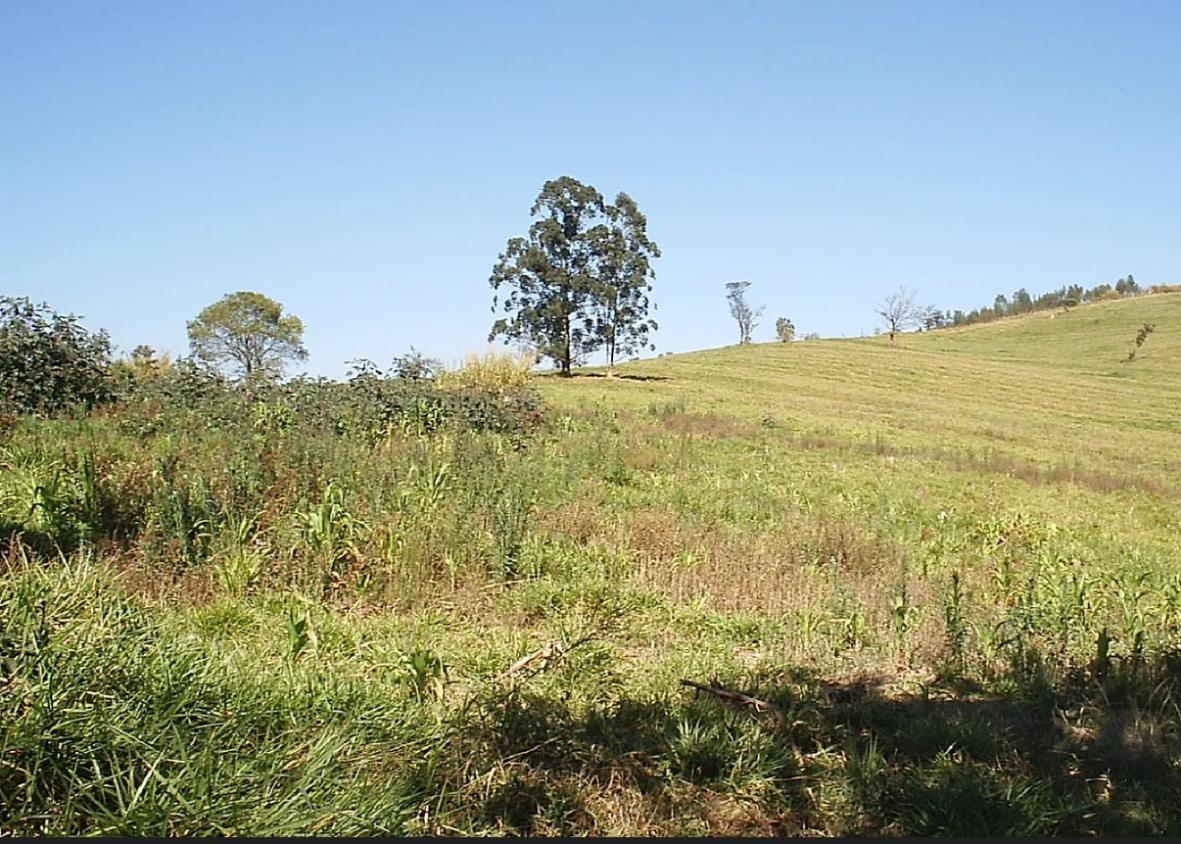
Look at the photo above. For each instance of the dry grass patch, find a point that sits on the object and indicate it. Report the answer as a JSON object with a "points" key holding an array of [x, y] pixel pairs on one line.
{"points": [[581, 520], [658, 535], [771, 572], [708, 425]]}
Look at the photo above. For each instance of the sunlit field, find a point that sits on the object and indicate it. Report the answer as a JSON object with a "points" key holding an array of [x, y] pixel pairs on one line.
{"points": [[929, 587]]}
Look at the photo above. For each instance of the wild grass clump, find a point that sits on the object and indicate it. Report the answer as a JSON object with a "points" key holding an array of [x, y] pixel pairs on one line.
{"points": [[493, 369], [118, 723]]}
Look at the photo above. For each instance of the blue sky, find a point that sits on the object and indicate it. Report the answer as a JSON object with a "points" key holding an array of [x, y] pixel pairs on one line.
{"points": [[364, 163]]}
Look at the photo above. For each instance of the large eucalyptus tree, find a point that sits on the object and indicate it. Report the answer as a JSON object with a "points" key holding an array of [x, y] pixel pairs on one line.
{"points": [[624, 282], [579, 280]]}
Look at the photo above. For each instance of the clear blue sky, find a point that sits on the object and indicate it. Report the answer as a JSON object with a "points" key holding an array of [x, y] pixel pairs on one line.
{"points": [[364, 163]]}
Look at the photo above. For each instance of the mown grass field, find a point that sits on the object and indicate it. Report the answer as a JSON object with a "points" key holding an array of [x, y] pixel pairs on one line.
{"points": [[951, 565]]}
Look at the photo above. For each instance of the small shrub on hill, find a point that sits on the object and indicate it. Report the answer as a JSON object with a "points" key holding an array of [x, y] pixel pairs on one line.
{"points": [[1141, 335]]}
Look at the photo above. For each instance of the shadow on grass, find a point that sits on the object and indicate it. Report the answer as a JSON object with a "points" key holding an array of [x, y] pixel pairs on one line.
{"points": [[620, 377], [14, 538], [616, 377], [1027, 756]]}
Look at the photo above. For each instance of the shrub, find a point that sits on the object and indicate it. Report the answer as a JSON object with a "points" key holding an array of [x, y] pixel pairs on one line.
{"points": [[415, 366], [1141, 335], [48, 362]]}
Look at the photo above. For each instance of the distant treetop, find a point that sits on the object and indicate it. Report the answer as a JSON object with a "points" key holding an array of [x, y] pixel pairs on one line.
{"points": [[247, 333], [1022, 302]]}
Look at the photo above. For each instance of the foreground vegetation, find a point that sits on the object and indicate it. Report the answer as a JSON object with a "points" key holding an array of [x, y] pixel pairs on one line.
{"points": [[947, 570]]}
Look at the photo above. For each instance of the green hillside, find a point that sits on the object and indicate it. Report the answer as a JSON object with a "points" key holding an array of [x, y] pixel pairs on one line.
{"points": [[827, 587], [1050, 391], [1093, 338]]}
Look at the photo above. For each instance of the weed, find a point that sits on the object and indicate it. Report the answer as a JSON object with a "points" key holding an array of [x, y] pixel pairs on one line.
{"points": [[329, 531], [953, 616]]}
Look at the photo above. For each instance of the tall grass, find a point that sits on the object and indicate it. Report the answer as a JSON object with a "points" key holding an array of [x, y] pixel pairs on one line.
{"points": [[492, 368]]}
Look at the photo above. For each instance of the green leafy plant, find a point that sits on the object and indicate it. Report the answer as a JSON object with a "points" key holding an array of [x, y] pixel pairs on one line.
{"points": [[301, 632], [328, 531], [48, 362], [242, 563], [426, 673], [953, 616]]}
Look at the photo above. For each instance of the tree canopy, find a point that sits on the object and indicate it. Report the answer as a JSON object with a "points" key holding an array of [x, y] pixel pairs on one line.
{"points": [[48, 361], [248, 334], [898, 311], [746, 316], [580, 279], [623, 282]]}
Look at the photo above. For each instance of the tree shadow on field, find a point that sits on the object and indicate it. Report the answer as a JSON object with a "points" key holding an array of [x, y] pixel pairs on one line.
{"points": [[619, 377], [616, 377], [1030, 756]]}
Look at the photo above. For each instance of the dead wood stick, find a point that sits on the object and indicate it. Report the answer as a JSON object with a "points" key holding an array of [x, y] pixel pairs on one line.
{"points": [[739, 699], [547, 651]]}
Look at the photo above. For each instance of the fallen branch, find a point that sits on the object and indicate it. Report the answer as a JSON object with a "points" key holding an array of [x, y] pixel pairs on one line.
{"points": [[549, 653], [546, 652], [739, 699]]}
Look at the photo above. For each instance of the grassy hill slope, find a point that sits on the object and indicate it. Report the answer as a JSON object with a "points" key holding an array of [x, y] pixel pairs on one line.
{"points": [[1093, 339], [1051, 391], [948, 570]]}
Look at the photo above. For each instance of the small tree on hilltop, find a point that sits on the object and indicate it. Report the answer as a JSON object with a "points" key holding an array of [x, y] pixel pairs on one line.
{"points": [[931, 318], [898, 311], [1141, 335], [746, 316], [247, 333], [784, 330], [49, 362]]}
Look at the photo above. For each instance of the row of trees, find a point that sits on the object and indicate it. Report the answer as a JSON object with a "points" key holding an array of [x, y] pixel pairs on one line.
{"points": [[579, 280], [1022, 302], [899, 311]]}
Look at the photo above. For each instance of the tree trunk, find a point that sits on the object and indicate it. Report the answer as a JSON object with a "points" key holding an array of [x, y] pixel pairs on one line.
{"points": [[566, 351]]}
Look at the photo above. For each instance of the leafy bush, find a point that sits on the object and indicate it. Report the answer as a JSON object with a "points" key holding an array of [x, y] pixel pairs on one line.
{"points": [[415, 366], [48, 362]]}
